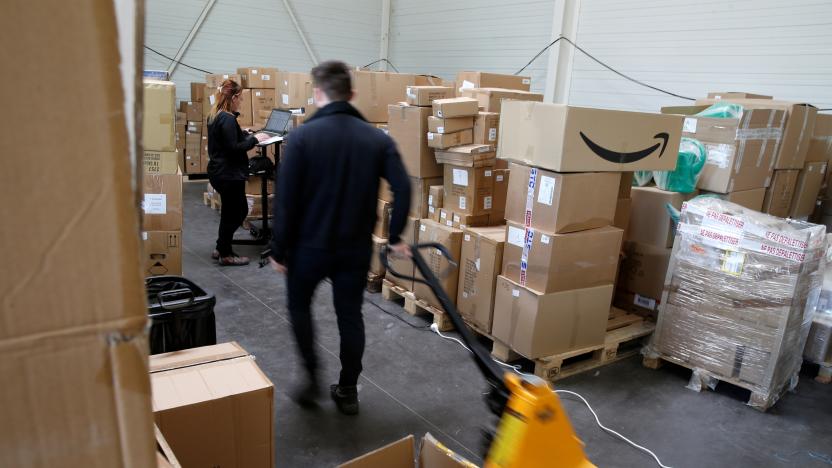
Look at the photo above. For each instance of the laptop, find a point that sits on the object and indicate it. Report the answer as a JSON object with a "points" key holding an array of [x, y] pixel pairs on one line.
{"points": [[277, 126]]}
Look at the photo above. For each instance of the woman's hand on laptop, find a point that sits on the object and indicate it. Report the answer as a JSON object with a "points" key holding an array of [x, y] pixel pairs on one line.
{"points": [[261, 137]]}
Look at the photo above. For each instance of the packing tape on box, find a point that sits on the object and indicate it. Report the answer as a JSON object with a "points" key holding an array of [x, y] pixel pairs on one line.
{"points": [[802, 129], [527, 218], [165, 119], [746, 119], [528, 238], [765, 142]]}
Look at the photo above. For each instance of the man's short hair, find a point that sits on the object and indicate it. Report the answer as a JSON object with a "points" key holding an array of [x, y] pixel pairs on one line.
{"points": [[333, 78]]}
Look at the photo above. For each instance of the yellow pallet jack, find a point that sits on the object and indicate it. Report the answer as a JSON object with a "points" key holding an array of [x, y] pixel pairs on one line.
{"points": [[533, 430]]}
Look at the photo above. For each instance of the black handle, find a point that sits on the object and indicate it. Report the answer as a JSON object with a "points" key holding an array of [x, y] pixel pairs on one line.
{"points": [[173, 299], [452, 264]]}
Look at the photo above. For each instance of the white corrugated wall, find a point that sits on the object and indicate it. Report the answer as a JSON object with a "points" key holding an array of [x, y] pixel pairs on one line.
{"points": [[241, 33], [442, 37], [763, 46]]}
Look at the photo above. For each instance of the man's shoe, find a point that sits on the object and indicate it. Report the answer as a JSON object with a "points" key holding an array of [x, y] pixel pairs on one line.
{"points": [[307, 394], [345, 398]]}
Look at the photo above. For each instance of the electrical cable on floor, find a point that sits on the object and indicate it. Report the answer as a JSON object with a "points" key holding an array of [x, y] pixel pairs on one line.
{"points": [[177, 61], [516, 369], [382, 60], [599, 62]]}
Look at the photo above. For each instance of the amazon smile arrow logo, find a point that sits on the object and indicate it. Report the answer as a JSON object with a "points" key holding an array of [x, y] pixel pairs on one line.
{"points": [[626, 158]]}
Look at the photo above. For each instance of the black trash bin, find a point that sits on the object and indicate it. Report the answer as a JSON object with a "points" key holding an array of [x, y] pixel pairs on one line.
{"points": [[181, 314]]}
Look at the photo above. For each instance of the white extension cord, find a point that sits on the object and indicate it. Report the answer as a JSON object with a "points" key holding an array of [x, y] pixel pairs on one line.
{"points": [[435, 329]]}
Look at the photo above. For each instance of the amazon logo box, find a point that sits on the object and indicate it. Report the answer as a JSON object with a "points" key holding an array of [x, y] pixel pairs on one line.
{"points": [[564, 138]]}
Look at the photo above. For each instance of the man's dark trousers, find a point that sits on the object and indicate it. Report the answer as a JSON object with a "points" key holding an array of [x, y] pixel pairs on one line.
{"points": [[347, 269]]}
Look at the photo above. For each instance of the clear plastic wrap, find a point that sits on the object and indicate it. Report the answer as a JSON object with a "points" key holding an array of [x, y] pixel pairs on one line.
{"points": [[739, 297], [819, 343]]}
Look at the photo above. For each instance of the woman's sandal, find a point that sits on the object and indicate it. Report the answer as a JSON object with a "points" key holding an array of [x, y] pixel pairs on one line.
{"points": [[233, 261]]}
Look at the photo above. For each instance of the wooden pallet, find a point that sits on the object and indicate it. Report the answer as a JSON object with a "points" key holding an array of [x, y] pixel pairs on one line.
{"points": [[374, 282], [415, 306], [702, 379]]}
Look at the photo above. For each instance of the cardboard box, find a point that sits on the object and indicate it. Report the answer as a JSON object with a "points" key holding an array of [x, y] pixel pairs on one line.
{"points": [[375, 91], [204, 158], [209, 100], [736, 95], [752, 199], [420, 194], [455, 107], [435, 198], [245, 119], [539, 325], [469, 190], [294, 90], [447, 140], [383, 211], [262, 100], [215, 80], [161, 162], [182, 118], [197, 91], [490, 99], [622, 213], [779, 194], [445, 217], [650, 222], [407, 125], [255, 206], [486, 126], [425, 95], [480, 262], [808, 187], [498, 204], [643, 270], [463, 221], [467, 155], [565, 138], [474, 79], [376, 266], [401, 454], [193, 149], [162, 252], [162, 205], [451, 239], [192, 110], [797, 132], [158, 116], [820, 147], [254, 185], [559, 262], [214, 406], [626, 185], [561, 202], [404, 266], [257, 77], [451, 125]]}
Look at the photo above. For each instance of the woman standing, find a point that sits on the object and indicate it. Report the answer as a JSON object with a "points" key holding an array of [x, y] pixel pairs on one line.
{"points": [[228, 167]]}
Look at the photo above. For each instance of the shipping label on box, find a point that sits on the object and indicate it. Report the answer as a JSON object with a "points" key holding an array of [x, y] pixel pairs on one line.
{"points": [[469, 190], [564, 138], [162, 203]]}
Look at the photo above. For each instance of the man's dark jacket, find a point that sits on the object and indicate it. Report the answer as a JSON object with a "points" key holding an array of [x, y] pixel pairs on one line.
{"points": [[328, 184]]}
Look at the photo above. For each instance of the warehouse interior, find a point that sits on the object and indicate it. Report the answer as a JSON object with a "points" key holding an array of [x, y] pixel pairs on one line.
{"points": [[615, 249]]}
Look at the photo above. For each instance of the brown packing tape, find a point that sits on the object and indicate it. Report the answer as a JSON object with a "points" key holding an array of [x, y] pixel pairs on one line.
{"points": [[166, 118]]}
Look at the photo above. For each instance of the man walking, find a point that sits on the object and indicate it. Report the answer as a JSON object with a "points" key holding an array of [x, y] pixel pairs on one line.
{"points": [[324, 214]]}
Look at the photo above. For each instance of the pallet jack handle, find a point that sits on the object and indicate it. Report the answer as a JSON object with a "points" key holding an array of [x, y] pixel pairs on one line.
{"points": [[494, 375]]}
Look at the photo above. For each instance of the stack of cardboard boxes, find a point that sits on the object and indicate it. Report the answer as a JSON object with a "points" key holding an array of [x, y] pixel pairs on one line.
{"points": [[561, 251], [820, 149], [162, 183], [737, 300]]}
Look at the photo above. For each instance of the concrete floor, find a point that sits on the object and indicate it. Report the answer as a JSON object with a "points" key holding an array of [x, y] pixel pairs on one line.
{"points": [[415, 382]]}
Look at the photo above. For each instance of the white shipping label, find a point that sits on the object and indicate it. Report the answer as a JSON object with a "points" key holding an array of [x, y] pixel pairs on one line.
{"points": [[430, 136], [527, 81], [467, 85], [487, 173], [457, 218], [467, 237], [645, 302], [285, 99], [492, 134], [285, 82], [689, 125], [155, 203], [225, 77], [544, 239], [732, 262], [410, 93], [310, 101], [253, 71], [430, 199], [719, 155], [265, 77], [515, 292], [515, 236], [212, 99], [443, 215], [422, 228], [546, 195], [499, 178], [460, 177], [449, 223], [477, 264], [431, 209], [486, 203], [463, 204], [144, 235], [440, 129]]}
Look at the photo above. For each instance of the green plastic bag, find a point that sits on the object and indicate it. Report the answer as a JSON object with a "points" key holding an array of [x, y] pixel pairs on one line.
{"points": [[722, 110], [642, 178], [692, 156]]}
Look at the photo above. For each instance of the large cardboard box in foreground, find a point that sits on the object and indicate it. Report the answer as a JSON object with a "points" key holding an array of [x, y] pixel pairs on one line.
{"points": [[539, 325], [451, 239], [407, 126], [73, 347], [558, 262], [476, 79], [650, 222], [158, 116], [374, 91], [479, 264], [214, 406], [560, 202], [578, 139], [401, 454]]}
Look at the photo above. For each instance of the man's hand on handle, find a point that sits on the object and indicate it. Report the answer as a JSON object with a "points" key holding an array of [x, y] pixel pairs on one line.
{"points": [[400, 250]]}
